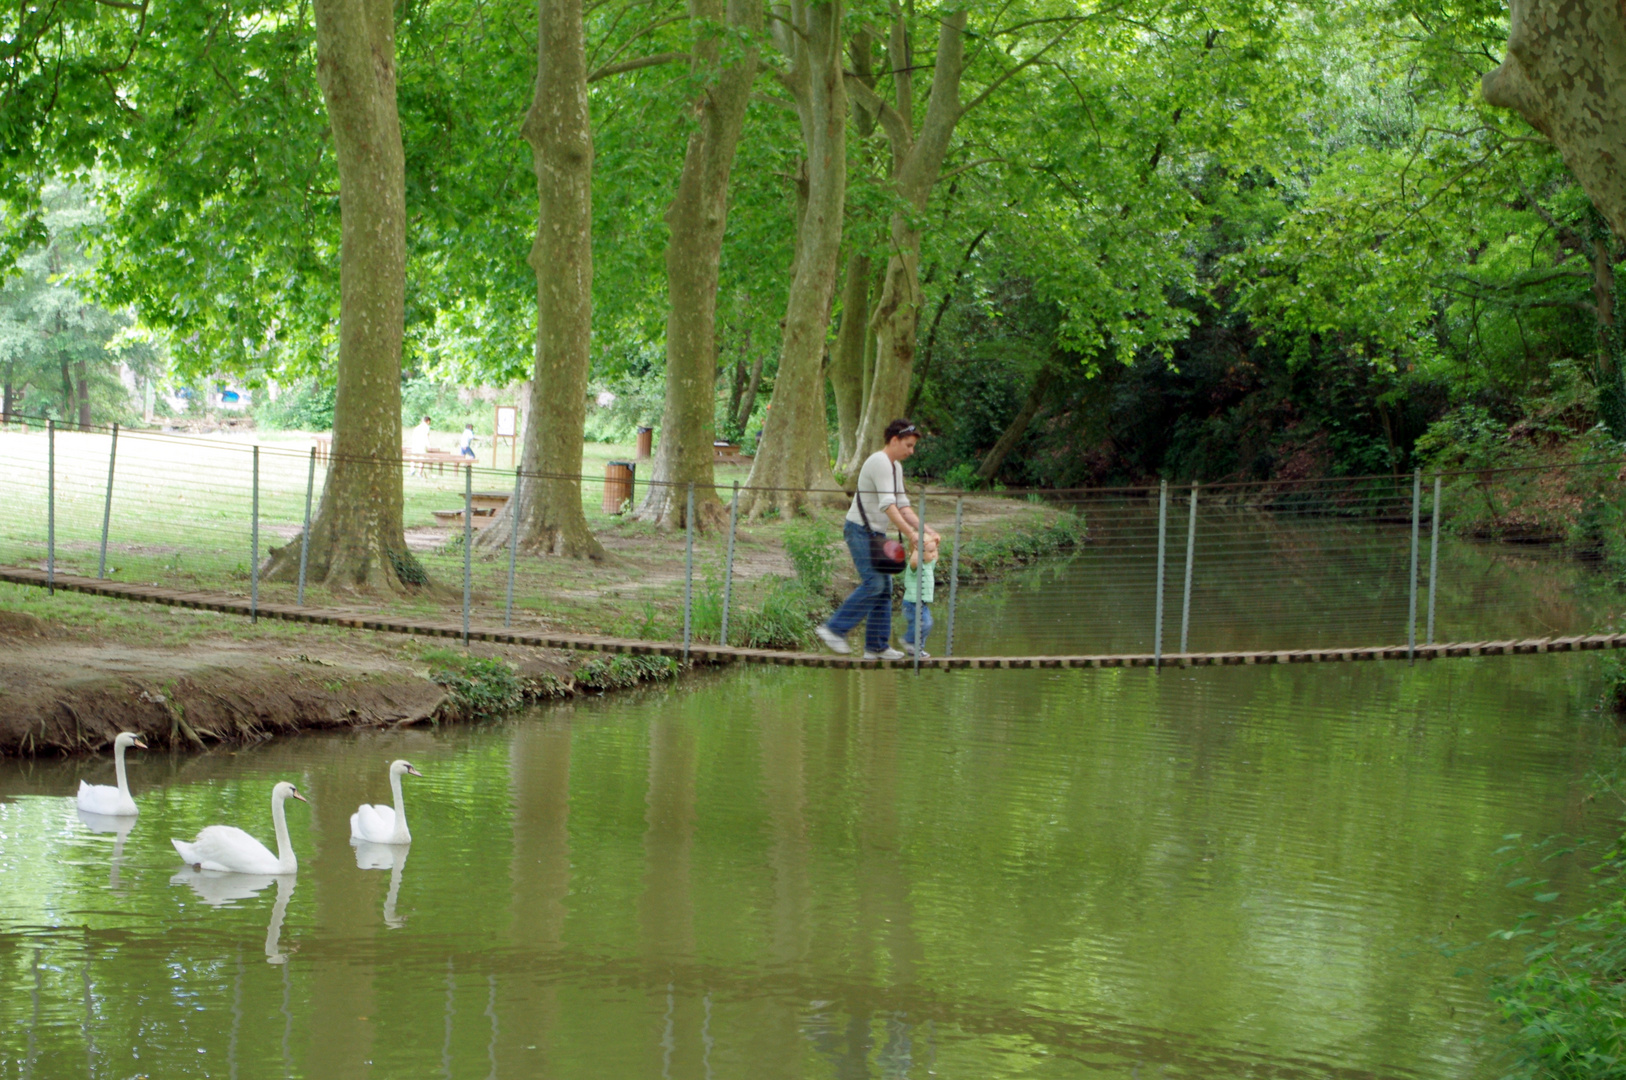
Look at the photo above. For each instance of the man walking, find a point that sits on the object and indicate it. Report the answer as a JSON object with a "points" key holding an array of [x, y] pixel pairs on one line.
{"points": [[880, 497]]}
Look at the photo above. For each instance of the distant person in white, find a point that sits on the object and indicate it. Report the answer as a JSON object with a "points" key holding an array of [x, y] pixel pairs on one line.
{"points": [[419, 447], [880, 486], [465, 445]]}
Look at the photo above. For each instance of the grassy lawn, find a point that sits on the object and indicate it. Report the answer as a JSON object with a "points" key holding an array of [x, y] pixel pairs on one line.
{"points": [[182, 509]]}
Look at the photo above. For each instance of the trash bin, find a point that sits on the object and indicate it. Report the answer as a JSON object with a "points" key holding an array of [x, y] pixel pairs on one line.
{"points": [[618, 477], [646, 442]]}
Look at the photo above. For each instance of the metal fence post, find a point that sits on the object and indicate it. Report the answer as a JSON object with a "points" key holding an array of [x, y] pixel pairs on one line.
{"points": [[1433, 557], [1162, 552], [954, 574], [254, 544], [688, 571], [920, 573], [1191, 551], [305, 537], [728, 563], [468, 547], [513, 548], [50, 507], [107, 506], [1411, 609]]}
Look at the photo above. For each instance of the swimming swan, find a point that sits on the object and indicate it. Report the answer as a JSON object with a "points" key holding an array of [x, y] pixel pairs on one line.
{"points": [[376, 824], [112, 801], [230, 849]]}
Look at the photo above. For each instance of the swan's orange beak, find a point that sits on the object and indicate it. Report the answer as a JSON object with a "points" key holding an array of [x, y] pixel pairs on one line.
{"points": [[301, 798], [413, 772], [139, 745]]}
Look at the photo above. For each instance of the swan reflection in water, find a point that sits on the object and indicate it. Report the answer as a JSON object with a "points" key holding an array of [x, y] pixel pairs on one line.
{"points": [[391, 857], [120, 828], [218, 889]]}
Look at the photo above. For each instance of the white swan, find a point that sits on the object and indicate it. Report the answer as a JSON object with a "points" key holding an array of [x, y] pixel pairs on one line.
{"points": [[375, 824], [230, 849], [112, 801]]}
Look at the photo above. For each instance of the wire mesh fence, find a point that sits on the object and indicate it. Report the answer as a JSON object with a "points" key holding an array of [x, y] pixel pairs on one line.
{"points": [[1154, 570]]}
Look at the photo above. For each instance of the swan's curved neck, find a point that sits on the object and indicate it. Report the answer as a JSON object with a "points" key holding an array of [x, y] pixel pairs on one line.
{"points": [[118, 767], [400, 805], [285, 849]]}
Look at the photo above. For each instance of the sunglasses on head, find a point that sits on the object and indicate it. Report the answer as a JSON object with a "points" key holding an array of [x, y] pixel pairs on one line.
{"points": [[910, 430]]}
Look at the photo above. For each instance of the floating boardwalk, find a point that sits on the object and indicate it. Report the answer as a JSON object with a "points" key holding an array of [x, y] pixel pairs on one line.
{"points": [[717, 654]]}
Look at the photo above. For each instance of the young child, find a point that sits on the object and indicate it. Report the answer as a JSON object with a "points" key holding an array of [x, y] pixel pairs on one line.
{"points": [[918, 583], [465, 445], [419, 446]]}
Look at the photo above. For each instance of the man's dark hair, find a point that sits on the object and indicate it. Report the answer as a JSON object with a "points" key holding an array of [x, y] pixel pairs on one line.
{"points": [[897, 429]]}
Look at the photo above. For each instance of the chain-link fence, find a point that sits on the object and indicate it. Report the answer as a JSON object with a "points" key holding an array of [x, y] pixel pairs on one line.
{"points": [[1159, 571]]}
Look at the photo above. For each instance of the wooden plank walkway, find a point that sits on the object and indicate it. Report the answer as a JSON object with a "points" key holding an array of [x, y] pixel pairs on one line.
{"points": [[715, 654]]}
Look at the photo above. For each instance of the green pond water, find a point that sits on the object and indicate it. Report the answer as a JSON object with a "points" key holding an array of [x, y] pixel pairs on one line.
{"points": [[1261, 871]]}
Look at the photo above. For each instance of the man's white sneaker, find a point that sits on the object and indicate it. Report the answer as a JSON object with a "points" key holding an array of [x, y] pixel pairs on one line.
{"points": [[832, 640], [909, 650], [890, 654]]}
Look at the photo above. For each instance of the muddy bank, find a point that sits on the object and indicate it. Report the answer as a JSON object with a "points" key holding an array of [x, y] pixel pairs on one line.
{"points": [[59, 695]]}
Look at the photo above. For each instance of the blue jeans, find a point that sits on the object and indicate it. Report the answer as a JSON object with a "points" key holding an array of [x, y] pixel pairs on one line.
{"points": [[871, 602], [909, 623]]}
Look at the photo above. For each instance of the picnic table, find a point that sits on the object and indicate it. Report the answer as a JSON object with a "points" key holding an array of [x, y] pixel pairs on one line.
{"points": [[485, 504]]}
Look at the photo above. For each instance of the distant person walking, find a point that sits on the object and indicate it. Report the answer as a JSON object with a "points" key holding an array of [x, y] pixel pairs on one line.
{"points": [[465, 445], [419, 448], [919, 581], [880, 497]]}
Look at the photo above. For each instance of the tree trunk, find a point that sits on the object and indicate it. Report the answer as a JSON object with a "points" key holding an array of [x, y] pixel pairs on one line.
{"points": [[559, 130], [356, 538], [937, 321], [83, 379], [696, 218], [748, 399], [1017, 427], [1565, 73], [847, 366], [1609, 369], [794, 456], [67, 382], [916, 162]]}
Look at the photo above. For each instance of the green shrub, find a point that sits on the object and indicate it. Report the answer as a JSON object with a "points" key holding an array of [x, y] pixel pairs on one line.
{"points": [[813, 545], [615, 671], [784, 621], [1021, 544], [479, 688], [1568, 1004], [962, 476], [304, 406]]}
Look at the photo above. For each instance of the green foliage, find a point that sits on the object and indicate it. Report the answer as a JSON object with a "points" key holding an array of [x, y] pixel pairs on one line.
{"points": [[1568, 1002], [479, 688], [306, 406], [615, 671], [785, 620], [1022, 543], [814, 547]]}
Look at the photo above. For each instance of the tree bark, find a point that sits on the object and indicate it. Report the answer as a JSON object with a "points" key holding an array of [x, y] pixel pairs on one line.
{"points": [[1017, 427], [1565, 73], [917, 160], [696, 218], [748, 398], [559, 131], [357, 540], [847, 365], [793, 457], [83, 379]]}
